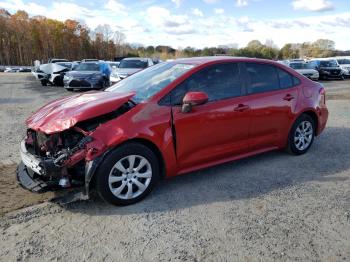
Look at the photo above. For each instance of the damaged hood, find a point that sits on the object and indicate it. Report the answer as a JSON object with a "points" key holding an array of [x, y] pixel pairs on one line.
{"points": [[64, 113], [52, 68]]}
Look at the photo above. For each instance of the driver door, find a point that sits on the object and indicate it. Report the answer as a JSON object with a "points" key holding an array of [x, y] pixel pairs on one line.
{"points": [[218, 129]]}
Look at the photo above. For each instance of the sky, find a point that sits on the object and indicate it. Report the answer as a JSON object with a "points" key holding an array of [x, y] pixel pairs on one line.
{"points": [[204, 23]]}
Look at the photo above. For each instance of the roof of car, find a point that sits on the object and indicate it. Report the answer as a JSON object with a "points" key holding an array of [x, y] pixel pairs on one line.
{"points": [[323, 59], [207, 59], [136, 58]]}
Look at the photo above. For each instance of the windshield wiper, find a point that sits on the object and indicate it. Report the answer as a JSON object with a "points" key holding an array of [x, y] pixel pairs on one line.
{"points": [[133, 102]]}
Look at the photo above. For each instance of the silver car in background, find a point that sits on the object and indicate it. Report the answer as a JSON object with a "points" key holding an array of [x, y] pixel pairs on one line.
{"points": [[129, 66], [305, 69]]}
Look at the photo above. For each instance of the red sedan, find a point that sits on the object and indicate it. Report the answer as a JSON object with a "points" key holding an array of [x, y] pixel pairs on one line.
{"points": [[170, 119]]}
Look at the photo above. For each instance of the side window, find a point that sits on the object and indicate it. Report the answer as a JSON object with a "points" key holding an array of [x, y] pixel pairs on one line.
{"points": [[314, 64], [261, 78], [296, 81], [286, 79], [218, 82]]}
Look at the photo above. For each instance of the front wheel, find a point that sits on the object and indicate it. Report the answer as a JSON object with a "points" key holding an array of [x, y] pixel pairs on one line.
{"points": [[301, 135], [44, 82], [105, 84], [127, 175]]}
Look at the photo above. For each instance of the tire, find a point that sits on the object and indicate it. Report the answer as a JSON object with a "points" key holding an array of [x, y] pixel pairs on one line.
{"points": [[69, 89], [301, 135], [43, 82], [113, 174], [58, 81], [105, 84]]}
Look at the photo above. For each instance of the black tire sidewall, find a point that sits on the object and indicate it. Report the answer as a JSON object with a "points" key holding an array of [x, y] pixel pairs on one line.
{"points": [[102, 174], [291, 145]]}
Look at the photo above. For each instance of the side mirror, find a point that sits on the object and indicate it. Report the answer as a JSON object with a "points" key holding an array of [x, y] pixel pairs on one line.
{"points": [[193, 99]]}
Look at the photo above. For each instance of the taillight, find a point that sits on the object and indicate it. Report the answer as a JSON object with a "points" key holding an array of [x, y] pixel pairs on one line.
{"points": [[322, 92]]}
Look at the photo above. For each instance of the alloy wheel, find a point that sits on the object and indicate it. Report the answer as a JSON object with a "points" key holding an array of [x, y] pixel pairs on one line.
{"points": [[303, 135], [130, 177]]}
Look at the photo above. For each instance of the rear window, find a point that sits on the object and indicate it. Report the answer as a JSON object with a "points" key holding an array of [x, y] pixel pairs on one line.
{"points": [[286, 79]]}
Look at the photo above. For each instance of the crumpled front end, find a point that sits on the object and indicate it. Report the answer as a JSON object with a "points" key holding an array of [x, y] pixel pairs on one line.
{"points": [[66, 158], [53, 161]]}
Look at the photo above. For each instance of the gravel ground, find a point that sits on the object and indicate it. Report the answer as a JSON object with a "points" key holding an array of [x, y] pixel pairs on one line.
{"points": [[271, 207], [20, 95]]}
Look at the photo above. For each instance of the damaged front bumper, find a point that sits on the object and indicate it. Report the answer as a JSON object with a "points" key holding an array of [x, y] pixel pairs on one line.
{"points": [[25, 177], [27, 169], [33, 170], [40, 174], [30, 160]]}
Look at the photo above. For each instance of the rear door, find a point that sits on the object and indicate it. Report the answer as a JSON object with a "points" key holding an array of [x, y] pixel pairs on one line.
{"points": [[217, 129], [272, 96]]}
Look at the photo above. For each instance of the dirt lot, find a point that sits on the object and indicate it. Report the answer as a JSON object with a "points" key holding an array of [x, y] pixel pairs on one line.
{"points": [[269, 207]]}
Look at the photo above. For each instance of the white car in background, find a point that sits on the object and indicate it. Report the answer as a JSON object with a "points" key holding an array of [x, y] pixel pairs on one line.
{"points": [[344, 63], [58, 71], [305, 69]]}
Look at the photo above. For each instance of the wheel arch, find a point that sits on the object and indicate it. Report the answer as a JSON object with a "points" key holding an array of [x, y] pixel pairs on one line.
{"points": [[314, 117], [154, 149], [91, 167]]}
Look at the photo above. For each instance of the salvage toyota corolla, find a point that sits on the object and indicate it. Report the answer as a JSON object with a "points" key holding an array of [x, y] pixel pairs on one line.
{"points": [[170, 119]]}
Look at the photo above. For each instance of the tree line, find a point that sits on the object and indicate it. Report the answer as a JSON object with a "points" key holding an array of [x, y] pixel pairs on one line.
{"points": [[24, 39]]}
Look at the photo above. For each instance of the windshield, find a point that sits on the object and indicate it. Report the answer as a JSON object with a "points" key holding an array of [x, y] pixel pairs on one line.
{"points": [[329, 63], [133, 63], [88, 67], [309, 66], [297, 65], [344, 61], [151, 80]]}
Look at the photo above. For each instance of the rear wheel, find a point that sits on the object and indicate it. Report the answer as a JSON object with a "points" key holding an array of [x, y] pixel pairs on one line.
{"points": [[127, 175], [301, 136]]}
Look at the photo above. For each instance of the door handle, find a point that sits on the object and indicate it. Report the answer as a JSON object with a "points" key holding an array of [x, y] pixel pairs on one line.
{"points": [[288, 97], [241, 108]]}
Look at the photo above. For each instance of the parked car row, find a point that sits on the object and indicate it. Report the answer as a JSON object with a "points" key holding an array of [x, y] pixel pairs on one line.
{"points": [[322, 68], [88, 73], [15, 69]]}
